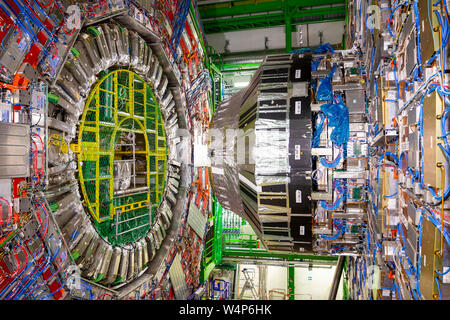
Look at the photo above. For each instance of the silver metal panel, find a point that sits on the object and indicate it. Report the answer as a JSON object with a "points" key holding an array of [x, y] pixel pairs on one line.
{"points": [[123, 268], [321, 196], [113, 268], [321, 151], [351, 174], [177, 279], [300, 89], [411, 244], [355, 101], [14, 150], [196, 220]]}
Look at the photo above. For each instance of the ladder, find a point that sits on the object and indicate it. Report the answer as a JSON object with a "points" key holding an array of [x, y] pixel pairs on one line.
{"points": [[248, 285]]}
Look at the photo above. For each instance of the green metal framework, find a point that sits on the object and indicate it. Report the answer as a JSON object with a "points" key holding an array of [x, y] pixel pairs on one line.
{"points": [[122, 127], [221, 17], [228, 241], [279, 255], [345, 293], [212, 256], [291, 282], [251, 14]]}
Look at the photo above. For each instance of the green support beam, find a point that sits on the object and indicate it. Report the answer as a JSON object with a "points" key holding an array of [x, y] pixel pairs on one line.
{"points": [[214, 245], [252, 54], [218, 232], [240, 65], [240, 70], [345, 295], [280, 255], [291, 282], [274, 19], [252, 14], [233, 8], [288, 28]]}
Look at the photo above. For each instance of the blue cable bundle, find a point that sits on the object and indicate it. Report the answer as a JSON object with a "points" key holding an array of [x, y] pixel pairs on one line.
{"points": [[437, 224], [332, 164], [332, 237], [334, 206], [388, 153], [323, 48], [315, 63], [417, 24], [392, 16], [320, 119], [325, 90], [179, 21], [337, 115], [442, 273]]}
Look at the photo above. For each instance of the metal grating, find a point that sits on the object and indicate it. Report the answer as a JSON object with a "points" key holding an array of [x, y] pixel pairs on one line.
{"points": [[177, 279], [14, 150], [196, 220]]}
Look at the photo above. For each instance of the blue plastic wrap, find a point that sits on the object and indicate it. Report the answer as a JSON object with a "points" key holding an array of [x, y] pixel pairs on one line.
{"points": [[320, 49], [319, 127], [325, 90], [337, 115], [315, 63]]}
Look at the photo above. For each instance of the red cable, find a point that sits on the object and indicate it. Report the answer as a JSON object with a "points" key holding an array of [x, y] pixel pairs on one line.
{"points": [[20, 33], [26, 258], [38, 214], [44, 6], [437, 83], [104, 294], [46, 226], [43, 149], [31, 9], [17, 271], [42, 143], [439, 213], [73, 30], [56, 50], [48, 279], [35, 167]]}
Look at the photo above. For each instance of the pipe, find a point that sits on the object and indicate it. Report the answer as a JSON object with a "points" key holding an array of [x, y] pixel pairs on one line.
{"points": [[336, 278], [442, 167]]}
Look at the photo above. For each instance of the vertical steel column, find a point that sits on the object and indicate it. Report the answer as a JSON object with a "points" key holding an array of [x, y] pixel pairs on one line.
{"points": [[336, 278]]}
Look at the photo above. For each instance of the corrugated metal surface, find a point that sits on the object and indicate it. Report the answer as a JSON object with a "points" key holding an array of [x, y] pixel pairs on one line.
{"points": [[14, 150], [196, 220], [177, 279]]}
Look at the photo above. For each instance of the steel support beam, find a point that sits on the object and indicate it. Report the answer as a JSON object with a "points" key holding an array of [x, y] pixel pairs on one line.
{"points": [[234, 8], [240, 66], [292, 18], [336, 278], [280, 255], [278, 262]]}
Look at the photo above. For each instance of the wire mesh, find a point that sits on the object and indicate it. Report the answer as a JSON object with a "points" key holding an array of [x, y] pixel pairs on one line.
{"points": [[122, 123]]}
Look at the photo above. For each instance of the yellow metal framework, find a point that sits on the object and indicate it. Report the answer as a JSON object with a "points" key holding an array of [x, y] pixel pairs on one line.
{"points": [[122, 103]]}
